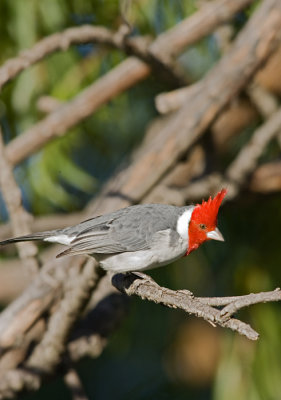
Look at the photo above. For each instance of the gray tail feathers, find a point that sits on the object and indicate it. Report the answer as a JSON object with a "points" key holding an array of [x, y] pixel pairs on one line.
{"points": [[25, 238]]}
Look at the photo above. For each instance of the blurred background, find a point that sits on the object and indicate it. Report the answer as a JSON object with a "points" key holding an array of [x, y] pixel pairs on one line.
{"points": [[156, 353]]}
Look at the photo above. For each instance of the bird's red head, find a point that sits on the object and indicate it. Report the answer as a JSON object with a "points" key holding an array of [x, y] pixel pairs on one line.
{"points": [[203, 222]]}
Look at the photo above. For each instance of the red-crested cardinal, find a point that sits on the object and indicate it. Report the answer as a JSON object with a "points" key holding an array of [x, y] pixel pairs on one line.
{"points": [[139, 237]]}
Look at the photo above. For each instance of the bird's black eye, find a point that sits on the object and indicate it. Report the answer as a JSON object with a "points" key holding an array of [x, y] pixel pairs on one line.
{"points": [[202, 226]]}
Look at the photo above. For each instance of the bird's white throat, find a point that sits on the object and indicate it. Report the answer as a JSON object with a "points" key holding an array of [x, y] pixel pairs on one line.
{"points": [[183, 223]]}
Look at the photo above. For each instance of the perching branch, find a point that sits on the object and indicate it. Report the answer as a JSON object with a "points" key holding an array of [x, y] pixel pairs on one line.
{"points": [[148, 289]]}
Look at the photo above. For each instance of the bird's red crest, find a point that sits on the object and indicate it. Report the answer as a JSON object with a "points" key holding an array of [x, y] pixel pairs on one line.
{"points": [[208, 210]]}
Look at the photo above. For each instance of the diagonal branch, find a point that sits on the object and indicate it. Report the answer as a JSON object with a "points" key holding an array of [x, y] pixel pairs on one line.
{"points": [[242, 166], [148, 289]]}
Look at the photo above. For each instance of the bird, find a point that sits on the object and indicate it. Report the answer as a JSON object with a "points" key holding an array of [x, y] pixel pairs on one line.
{"points": [[138, 237]]}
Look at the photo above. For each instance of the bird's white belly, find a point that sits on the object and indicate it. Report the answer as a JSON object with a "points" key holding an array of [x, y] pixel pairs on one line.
{"points": [[142, 259]]}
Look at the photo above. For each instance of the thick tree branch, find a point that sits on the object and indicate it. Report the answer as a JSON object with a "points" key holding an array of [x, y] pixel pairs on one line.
{"points": [[192, 29]]}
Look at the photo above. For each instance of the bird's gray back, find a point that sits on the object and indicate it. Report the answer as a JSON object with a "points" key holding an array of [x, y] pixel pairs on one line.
{"points": [[128, 229]]}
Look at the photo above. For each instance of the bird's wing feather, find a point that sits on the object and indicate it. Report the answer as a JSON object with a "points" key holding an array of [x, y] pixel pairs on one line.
{"points": [[126, 230], [109, 237], [100, 242]]}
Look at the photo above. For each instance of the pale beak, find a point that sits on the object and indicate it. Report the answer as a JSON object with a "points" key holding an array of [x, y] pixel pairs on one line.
{"points": [[216, 235]]}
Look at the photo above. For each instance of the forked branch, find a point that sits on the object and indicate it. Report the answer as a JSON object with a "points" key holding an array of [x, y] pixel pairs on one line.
{"points": [[146, 288]]}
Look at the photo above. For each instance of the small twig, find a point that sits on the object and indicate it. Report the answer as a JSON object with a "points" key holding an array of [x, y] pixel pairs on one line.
{"points": [[248, 300], [125, 8], [73, 382]]}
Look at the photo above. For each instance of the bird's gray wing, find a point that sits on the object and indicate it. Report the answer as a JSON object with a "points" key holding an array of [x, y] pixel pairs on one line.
{"points": [[114, 234], [129, 229]]}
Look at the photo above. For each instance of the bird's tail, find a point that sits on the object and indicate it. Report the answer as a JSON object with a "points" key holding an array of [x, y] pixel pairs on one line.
{"points": [[32, 236]]}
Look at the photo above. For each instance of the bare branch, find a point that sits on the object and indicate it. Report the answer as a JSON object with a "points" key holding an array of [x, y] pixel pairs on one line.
{"points": [[82, 106], [73, 382], [48, 352], [117, 80], [170, 101], [195, 27], [20, 218], [214, 92], [247, 159], [41, 294], [241, 167], [250, 299], [244, 301], [58, 41], [89, 337], [266, 178], [184, 34], [148, 289]]}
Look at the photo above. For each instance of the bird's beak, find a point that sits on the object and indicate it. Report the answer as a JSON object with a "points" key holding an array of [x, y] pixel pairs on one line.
{"points": [[216, 235]]}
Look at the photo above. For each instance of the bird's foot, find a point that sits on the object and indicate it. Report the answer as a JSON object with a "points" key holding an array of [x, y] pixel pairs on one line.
{"points": [[139, 274], [143, 276]]}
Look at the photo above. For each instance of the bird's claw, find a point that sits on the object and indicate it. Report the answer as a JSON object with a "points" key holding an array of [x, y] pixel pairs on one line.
{"points": [[142, 276]]}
